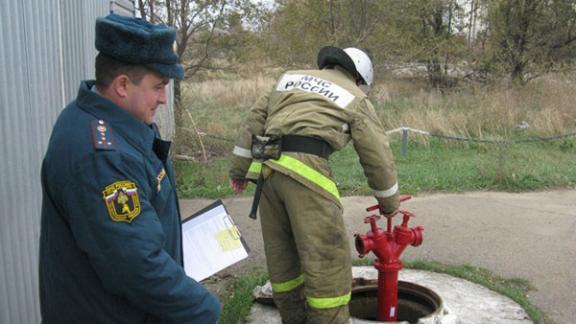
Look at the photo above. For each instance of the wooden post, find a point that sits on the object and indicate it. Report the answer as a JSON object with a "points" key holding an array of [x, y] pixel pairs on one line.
{"points": [[404, 147]]}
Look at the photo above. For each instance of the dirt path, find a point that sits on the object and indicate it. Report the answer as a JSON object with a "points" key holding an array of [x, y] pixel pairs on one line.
{"points": [[528, 235]]}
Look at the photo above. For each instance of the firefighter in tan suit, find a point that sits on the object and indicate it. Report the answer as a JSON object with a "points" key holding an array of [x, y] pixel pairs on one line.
{"points": [[313, 113]]}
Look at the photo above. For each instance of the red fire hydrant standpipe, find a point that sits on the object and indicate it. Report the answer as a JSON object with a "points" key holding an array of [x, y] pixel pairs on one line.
{"points": [[388, 246]]}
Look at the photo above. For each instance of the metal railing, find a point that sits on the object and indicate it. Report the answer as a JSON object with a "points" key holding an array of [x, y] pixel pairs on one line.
{"points": [[406, 130]]}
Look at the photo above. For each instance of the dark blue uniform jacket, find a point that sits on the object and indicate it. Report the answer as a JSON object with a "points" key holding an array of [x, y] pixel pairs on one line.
{"points": [[110, 244]]}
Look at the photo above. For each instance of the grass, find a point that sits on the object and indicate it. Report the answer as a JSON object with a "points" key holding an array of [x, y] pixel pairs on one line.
{"points": [[448, 167], [438, 166], [197, 179], [432, 165], [237, 307], [545, 105]]}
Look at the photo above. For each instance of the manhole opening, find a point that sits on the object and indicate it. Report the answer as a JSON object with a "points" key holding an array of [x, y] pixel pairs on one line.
{"points": [[414, 302]]}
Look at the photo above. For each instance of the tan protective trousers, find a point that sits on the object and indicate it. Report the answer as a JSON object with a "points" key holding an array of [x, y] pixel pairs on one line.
{"points": [[307, 252]]}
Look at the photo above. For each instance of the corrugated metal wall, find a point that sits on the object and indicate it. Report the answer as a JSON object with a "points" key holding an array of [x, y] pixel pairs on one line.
{"points": [[46, 48], [31, 96], [164, 117]]}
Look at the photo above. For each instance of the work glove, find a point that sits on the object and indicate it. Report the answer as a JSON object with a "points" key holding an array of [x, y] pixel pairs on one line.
{"points": [[388, 214], [389, 206], [238, 185]]}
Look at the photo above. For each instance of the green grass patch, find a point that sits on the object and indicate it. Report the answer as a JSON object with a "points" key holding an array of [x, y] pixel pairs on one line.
{"points": [[237, 307], [204, 179], [448, 167], [438, 166]]}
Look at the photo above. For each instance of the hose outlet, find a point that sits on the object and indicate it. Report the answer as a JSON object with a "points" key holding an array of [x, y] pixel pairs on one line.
{"points": [[417, 235], [363, 244]]}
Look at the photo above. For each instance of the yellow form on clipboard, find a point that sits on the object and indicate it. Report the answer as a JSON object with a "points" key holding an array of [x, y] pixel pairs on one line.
{"points": [[211, 242]]}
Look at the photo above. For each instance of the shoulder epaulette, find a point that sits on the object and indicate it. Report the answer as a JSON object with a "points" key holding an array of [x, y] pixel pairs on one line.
{"points": [[102, 135]]}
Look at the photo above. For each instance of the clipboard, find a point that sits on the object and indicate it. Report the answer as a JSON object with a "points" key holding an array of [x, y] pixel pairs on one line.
{"points": [[211, 242]]}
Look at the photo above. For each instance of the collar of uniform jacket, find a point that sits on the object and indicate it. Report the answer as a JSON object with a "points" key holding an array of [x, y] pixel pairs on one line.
{"points": [[343, 71], [136, 132]]}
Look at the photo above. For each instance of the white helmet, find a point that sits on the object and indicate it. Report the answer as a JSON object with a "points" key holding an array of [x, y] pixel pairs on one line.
{"points": [[362, 63]]}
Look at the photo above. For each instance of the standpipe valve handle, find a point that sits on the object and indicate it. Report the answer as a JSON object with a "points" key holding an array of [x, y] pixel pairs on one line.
{"points": [[402, 199]]}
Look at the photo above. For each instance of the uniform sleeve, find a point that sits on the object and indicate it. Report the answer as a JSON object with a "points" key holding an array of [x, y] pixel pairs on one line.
{"points": [[128, 253], [371, 144], [255, 122]]}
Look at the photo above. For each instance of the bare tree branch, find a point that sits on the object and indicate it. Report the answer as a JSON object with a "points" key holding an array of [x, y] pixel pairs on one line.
{"points": [[200, 141], [209, 39], [142, 9]]}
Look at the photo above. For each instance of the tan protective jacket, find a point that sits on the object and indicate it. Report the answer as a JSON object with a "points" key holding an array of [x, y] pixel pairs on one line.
{"points": [[324, 104]]}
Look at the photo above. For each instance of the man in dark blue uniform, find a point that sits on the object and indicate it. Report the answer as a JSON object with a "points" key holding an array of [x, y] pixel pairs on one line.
{"points": [[110, 244]]}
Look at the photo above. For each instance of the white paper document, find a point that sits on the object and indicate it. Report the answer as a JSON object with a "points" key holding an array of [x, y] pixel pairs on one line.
{"points": [[211, 242]]}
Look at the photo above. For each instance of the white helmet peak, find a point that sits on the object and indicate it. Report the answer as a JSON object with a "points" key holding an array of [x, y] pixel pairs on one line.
{"points": [[362, 63]]}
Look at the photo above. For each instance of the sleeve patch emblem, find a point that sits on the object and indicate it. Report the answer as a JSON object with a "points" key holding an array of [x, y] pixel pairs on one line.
{"points": [[122, 201]]}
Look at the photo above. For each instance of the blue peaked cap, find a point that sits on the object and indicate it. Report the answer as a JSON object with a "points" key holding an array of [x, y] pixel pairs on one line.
{"points": [[136, 41]]}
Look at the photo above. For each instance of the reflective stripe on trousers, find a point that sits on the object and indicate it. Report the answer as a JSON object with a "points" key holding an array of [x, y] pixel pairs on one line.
{"points": [[316, 302], [328, 302], [289, 285]]}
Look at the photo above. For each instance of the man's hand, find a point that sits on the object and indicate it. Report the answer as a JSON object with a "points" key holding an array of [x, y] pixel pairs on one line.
{"points": [[238, 185]]}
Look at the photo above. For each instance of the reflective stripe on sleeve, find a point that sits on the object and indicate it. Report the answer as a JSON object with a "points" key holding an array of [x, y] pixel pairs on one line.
{"points": [[242, 152], [288, 285], [387, 193], [308, 173], [328, 302]]}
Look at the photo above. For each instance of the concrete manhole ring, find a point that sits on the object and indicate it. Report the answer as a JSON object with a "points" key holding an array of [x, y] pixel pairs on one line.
{"points": [[461, 301]]}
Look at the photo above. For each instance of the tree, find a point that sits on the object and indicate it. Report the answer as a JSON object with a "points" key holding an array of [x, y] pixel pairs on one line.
{"points": [[200, 24], [426, 31], [528, 37], [437, 33], [395, 31], [299, 28]]}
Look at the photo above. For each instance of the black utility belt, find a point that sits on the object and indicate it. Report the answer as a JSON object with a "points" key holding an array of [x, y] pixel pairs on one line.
{"points": [[271, 146]]}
